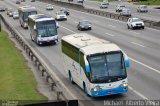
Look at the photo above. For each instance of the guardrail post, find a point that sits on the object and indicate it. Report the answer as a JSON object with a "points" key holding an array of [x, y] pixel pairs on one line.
{"points": [[43, 70], [58, 95], [53, 85]]}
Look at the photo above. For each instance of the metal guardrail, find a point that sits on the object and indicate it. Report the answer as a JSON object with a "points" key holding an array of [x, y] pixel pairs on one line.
{"points": [[45, 72], [148, 23]]}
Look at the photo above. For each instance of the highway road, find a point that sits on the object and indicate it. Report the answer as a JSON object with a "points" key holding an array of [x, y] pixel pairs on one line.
{"points": [[142, 46], [153, 14]]}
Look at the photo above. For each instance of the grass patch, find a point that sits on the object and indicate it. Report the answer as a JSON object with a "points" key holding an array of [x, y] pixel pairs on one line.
{"points": [[149, 2], [16, 79]]}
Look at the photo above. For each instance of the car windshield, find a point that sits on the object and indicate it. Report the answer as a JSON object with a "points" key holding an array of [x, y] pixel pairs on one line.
{"points": [[46, 28], [136, 20], [49, 5], [107, 67], [60, 13], [143, 6], [15, 13], [26, 14], [85, 23], [122, 5]]}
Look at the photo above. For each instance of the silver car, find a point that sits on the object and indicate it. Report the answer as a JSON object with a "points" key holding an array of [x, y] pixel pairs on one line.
{"points": [[104, 5], [142, 8], [125, 12], [15, 15]]}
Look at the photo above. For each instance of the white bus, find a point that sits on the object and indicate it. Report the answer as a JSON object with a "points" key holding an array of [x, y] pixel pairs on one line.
{"points": [[43, 29], [96, 65], [24, 12]]}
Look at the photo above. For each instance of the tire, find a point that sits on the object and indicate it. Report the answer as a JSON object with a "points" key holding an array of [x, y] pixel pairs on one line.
{"points": [[142, 27], [132, 27], [70, 77], [31, 37], [128, 27]]}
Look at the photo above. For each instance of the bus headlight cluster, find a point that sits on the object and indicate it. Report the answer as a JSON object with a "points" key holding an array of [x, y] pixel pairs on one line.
{"points": [[123, 85], [96, 89]]}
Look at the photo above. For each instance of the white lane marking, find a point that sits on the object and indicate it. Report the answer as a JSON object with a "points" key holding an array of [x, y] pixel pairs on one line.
{"points": [[109, 34], [155, 70], [112, 26], [67, 29], [137, 44], [138, 93], [134, 32]]}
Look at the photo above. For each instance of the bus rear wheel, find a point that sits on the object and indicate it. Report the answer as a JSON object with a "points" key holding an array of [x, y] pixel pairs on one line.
{"points": [[70, 77]]}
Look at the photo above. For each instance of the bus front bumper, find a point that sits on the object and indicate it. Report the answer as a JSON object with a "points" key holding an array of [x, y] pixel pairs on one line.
{"points": [[106, 92]]}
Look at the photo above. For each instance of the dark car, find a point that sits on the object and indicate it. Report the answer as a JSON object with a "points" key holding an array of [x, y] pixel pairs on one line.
{"points": [[2, 8], [17, 2], [65, 10], [84, 25], [32, 0]]}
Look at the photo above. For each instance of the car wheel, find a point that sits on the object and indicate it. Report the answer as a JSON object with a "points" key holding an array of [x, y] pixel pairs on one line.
{"points": [[128, 26], [142, 27], [132, 27]]}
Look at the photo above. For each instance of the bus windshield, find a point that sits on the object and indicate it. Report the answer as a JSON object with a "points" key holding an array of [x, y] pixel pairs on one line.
{"points": [[107, 67], [46, 28], [26, 14]]}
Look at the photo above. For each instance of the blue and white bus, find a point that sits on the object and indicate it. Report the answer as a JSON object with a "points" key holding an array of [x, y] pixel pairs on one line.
{"points": [[43, 29], [96, 65]]}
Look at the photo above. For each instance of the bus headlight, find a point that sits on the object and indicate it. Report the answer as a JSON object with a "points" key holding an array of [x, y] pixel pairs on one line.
{"points": [[96, 89], [123, 85]]}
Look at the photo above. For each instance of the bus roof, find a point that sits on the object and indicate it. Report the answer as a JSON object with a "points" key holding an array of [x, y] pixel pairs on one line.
{"points": [[89, 44], [40, 17], [27, 8]]}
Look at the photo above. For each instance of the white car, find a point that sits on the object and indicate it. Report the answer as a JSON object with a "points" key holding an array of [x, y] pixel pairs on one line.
{"points": [[104, 5], [15, 15], [119, 7], [133, 23], [61, 16], [125, 12], [142, 8], [49, 7]]}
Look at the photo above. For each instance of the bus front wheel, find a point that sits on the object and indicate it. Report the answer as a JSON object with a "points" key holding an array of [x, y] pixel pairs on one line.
{"points": [[85, 89]]}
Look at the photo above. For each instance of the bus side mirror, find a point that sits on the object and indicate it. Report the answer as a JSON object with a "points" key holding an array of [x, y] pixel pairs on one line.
{"points": [[126, 60], [35, 27], [87, 69]]}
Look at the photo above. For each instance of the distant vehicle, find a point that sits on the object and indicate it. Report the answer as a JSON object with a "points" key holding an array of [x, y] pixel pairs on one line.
{"points": [[10, 13], [65, 10], [2, 8], [95, 65], [84, 24], [43, 29], [18, 2], [49, 7], [104, 5], [8, 10], [80, 1], [125, 12], [142, 8], [15, 15], [133, 23], [119, 7], [32, 0], [22, 0], [61, 16], [24, 12]]}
